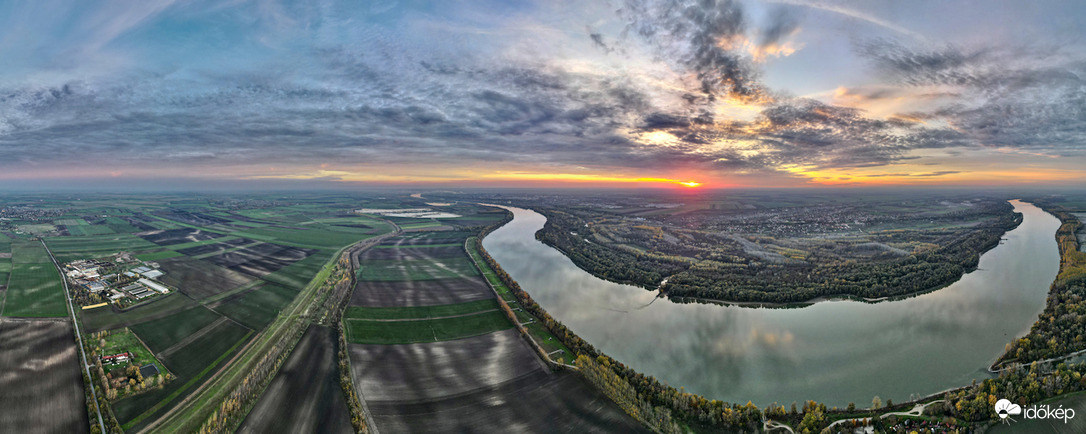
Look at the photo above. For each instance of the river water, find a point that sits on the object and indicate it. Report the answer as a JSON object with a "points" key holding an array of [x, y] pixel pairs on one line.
{"points": [[833, 352]]}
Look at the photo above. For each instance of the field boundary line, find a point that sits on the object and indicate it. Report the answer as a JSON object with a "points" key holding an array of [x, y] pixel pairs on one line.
{"points": [[156, 356], [188, 339]]}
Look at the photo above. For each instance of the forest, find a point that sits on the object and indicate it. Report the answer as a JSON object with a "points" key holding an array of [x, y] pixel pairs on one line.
{"points": [[883, 260]]}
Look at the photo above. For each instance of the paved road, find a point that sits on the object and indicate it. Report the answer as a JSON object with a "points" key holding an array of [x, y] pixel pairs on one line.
{"points": [[78, 334]]}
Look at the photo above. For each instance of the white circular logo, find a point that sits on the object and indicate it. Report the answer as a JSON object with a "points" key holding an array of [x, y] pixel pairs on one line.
{"points": [[1005, 408]]}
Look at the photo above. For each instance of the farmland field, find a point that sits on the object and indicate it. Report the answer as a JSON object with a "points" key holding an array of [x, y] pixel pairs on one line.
{"points": [[421, 312], [419, 293], [103, 244], [429, 269], [306, 238], [200, 279], [431, 352], [488, 383], [260, 259], [191, 364], [107, 318], [29, 252], [34, 289], [162, 333], [305, 396], [426, 330], [258, 307], [179, 236], [199, 353], [158, 256], [41, 389]]}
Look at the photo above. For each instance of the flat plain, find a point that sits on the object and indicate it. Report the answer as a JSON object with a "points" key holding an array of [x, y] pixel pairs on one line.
{"points": [[42, 388], [430, 351], [305, 396]]}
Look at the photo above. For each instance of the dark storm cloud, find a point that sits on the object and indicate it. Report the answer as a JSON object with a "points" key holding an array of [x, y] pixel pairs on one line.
{"points": [[703, 30]]}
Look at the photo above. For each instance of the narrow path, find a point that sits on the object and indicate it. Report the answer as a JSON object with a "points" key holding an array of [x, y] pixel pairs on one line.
{"points": [[188, 339], [78, 335], [772, 424], [995, 370]]}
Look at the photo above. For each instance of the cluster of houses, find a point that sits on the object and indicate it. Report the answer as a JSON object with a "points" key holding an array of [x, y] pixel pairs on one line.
{"points": [[109, 280]]}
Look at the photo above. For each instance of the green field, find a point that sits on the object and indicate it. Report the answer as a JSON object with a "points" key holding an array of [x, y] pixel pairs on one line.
{"points": [[298, 274], [98, 244], [420, 225], [313, 238], [361, 331], [105, 318], [162, 333], [201, 243], [120, 226], [85, 229], [34, 285], [420, 312], [29, 252], [198, 354], [257, 308], [444, 268], [5, 269], [155, 256]]}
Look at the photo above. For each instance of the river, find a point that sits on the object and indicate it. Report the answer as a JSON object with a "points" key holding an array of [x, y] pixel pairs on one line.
{"points": [[833, 352]]}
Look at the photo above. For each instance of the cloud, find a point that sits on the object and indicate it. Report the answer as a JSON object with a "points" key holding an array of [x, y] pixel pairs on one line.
{"points": [[699, 37], [645, 92], [1018, 97]]}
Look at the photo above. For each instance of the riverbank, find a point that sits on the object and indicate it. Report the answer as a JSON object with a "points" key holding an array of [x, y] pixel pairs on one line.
{"points": [[1060, 331]]}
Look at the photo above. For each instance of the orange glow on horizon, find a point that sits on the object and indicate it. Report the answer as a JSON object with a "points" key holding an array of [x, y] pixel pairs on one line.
{"points": [[579, 177]]}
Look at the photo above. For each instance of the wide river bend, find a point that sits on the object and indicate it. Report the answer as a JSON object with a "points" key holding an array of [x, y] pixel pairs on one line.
{"points": [[834, 352]]}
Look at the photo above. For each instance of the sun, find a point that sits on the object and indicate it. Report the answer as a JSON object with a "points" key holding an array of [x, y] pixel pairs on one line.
{"points": [[691, 184]]}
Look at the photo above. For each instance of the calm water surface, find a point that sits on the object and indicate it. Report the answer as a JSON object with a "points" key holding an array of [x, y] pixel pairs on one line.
{"points": [[833, 352]]}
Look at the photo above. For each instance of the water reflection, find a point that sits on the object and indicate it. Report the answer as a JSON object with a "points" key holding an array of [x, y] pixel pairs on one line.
{"points": [[835, 352]]}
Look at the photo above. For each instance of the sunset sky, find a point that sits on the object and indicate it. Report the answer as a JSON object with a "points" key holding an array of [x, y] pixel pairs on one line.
{"points": [[548, 93]]}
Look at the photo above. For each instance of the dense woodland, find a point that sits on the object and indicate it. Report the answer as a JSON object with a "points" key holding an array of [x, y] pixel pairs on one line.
{"points": [[753, 279], [1061, 327]]}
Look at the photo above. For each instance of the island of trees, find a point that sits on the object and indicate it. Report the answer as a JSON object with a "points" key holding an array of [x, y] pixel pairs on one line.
{"points": [[805, 257]]}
